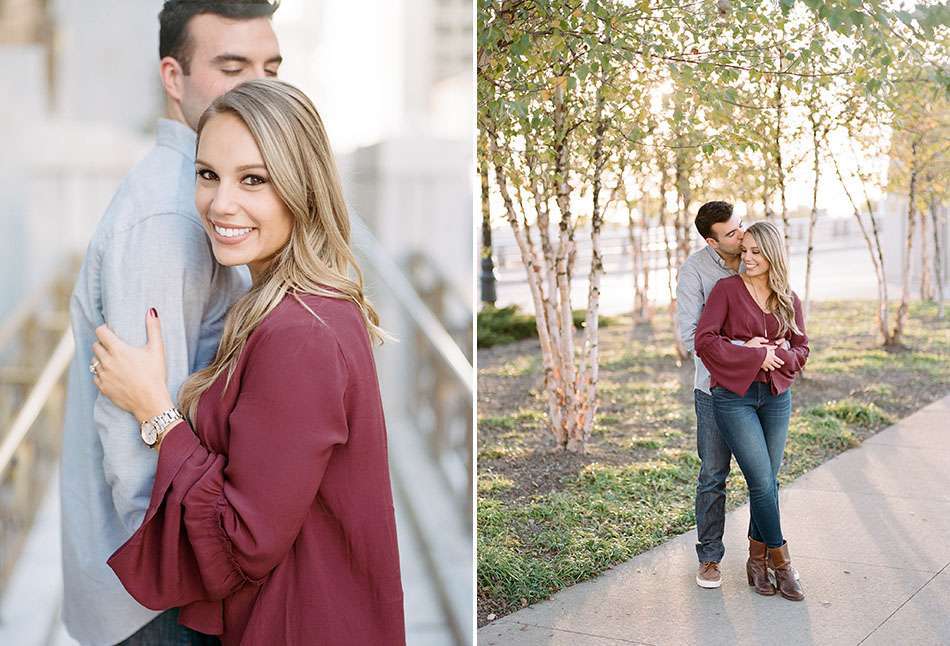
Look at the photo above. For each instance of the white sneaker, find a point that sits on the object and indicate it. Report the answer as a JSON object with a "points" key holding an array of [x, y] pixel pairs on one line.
{"points": [[708, 575]]}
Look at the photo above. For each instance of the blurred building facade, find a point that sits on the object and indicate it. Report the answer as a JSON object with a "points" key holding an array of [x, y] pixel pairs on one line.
{"points": [[69, 136]]}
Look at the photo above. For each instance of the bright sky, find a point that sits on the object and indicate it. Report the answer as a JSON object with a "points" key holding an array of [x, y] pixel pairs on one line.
{"points": [[347, 57]]}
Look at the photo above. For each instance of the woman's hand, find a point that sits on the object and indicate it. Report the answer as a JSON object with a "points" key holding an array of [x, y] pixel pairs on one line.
{"points": [[771, 361], [759, 342], [133, 378]]}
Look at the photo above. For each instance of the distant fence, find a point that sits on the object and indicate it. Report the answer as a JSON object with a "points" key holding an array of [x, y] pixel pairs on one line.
{"points": [[831, 233]]}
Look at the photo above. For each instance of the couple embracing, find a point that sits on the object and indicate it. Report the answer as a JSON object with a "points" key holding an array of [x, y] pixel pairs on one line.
{"points": [[738, 315], [224, 473]]}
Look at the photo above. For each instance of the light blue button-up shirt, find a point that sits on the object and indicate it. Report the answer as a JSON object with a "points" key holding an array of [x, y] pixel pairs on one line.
{"points": [[148, 250]]}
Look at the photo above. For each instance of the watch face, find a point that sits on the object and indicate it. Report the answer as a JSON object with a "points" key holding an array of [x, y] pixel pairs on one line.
{"points": [[149, 435]]}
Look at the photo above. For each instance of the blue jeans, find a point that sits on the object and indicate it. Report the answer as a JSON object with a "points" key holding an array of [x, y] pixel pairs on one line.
{"points": [[755, 426], [715, 457], [165, 630]]}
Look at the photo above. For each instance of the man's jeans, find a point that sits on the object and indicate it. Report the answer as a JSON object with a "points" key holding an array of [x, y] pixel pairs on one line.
{"points": [[755, 426], [711, 486], [165, 630]]}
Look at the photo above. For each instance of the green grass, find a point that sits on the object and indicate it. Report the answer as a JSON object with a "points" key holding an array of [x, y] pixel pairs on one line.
{"points": [[490, 483], [548, 520], [605, 515], [519, 367]]}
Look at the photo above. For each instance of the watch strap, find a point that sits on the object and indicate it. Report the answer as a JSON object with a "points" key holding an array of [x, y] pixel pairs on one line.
{"points": [[161, 423]]}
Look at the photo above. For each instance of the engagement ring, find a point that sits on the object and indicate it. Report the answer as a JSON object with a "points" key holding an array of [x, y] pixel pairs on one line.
{"points": [[92, 367]]}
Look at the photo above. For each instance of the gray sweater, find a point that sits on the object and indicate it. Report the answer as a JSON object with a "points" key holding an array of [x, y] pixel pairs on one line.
{"points": [[698, 275], [148, 250]]}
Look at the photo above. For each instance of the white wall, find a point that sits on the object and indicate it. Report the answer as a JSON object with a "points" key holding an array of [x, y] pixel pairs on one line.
{"points": [[416, 195], [59, 168], [24, 95], [894, 239], [107, 61]]}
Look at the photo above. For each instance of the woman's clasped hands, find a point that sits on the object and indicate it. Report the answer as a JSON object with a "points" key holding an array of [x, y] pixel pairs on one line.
{"points": [[771, 361]]}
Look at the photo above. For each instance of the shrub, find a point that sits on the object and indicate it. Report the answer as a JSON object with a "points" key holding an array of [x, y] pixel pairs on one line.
{"points": [[499, 325]]}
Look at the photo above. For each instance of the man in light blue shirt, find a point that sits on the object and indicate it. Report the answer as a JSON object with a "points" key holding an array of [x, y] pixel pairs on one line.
{"points": [[149, 250], [719, 258]]}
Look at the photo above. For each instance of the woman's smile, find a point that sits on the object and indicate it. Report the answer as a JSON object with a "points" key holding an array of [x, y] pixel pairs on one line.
{"points": [[230, 235]]}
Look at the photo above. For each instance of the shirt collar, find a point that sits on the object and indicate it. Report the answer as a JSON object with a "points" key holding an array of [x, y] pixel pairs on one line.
{"points": [[177, 136], [715, 256], [722, 263]]}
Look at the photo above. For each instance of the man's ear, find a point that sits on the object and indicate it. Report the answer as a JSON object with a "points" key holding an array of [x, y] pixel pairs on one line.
{"points": [[712, 242], [172, 78]]}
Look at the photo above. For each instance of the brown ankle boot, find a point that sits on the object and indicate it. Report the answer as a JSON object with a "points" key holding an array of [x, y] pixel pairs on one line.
{"points": [[785, 580], [756, 569]]}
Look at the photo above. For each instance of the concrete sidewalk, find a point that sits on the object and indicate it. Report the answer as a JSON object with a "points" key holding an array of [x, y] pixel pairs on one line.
{"points": [[869, 531]]}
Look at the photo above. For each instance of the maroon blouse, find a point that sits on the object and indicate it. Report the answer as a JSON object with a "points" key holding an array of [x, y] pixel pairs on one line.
{"points": [[273, 522], [732, 313]]}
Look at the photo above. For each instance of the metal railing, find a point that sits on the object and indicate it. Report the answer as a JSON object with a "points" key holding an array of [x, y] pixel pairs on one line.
{"points": [[389, 272], [444, 379], [36, 347], [432, 463], [40, 394]]}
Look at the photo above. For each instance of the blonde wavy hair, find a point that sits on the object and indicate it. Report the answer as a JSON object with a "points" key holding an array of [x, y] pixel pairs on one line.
{"points": [[782, 301], [317, 259]]}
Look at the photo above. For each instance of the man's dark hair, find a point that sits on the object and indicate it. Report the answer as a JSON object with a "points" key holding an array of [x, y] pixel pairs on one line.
{"points": [[173, 37], [709, 214]]}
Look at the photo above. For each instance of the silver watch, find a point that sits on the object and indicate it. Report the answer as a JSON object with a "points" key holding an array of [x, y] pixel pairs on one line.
{"points": [[153, 428]]}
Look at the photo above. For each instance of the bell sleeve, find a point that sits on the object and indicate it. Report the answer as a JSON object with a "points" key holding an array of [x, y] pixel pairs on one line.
{"points": [[216, 523], [797, 353], [731, 366]]}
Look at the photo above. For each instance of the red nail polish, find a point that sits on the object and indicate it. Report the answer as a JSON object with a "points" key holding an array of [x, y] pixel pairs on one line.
{"points": [[153, 312]]}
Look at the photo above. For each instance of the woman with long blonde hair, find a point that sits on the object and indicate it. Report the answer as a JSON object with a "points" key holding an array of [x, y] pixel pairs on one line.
{"points": [[271, 517], [751, 389]]}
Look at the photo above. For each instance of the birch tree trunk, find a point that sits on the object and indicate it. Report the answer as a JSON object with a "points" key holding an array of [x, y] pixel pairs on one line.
{"points": [[486, 265], [549, 296], [534, 271], [565, 392], [908, 248], [635, 233], [813, 218], [938, 255], [681, 353], [589, 371], [646, 312], [779, 163], [926, 288], [683, 199], [681, 230], [875, 250]]}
